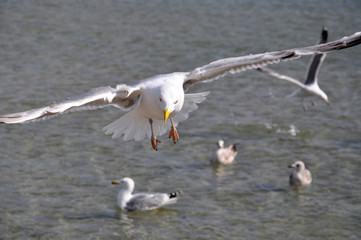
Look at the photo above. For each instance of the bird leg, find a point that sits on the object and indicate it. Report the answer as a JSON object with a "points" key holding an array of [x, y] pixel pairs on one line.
{"points": [[173, 132], [153, 139], [305, 107], [314, 103]]}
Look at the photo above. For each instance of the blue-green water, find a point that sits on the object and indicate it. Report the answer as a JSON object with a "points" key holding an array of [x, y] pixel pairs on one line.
{"points": [[55, 175]]}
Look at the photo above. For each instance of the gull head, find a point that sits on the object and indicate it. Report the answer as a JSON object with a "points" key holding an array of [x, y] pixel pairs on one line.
{"points": [[220, 143], [171, 100], [126, 184], [323, 95], [299, 165]]}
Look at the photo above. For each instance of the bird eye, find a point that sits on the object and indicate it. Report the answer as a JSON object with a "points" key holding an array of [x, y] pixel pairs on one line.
{"points": [[176, 102], [160, 100]]}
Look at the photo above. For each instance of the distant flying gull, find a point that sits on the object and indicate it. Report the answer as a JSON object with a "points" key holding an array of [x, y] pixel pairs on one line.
{"points": [[141, 201], [224, 155], [310, 87], [300, 175], [153, 100]]}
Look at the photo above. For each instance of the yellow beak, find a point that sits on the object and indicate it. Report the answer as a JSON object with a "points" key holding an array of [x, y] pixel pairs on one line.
{"points": [[166, 115], [327, 102], [115, 182]]}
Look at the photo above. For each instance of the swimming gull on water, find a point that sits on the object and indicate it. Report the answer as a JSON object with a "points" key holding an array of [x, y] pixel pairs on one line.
{"points": [[141, 201], [310, 87], [154, 100], [224, 155], [300, 175]]}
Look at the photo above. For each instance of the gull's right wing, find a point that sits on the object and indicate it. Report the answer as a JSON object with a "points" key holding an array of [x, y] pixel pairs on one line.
{"points": [[123, 96]]}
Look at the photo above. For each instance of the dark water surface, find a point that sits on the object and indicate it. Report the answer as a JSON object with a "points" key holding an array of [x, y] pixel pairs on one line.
{"points": [[55, 175]]}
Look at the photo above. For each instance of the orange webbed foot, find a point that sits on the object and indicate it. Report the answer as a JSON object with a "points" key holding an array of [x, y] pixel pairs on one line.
{"points": [[174, 133], [155, 142]]}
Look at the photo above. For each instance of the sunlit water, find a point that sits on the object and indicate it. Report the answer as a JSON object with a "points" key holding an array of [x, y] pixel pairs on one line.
{"points": [[55, 175]]}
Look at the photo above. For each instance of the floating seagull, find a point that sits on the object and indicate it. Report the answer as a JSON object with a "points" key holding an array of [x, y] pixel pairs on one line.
{"points": [[154, 100], [310, 87], [224, 155], [300, 175], [141, 201]]}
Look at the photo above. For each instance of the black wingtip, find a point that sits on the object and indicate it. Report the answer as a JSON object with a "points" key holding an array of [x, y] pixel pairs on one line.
{"points": [[324, 35], [174, 194], [234, 148]]}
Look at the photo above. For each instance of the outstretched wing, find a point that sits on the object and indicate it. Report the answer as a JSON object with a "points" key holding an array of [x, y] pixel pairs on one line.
{"points": [[123, 96], [220, 68], [316, 61]]}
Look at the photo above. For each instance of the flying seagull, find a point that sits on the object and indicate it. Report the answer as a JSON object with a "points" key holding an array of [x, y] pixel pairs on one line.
{"points": [[224, 155], [141, 201], [154, 100], [300, 175], [310, 87]]}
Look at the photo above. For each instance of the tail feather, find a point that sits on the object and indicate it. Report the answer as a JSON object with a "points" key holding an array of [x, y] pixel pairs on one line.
{"points": [[141, 133], [131, 126], [134, 125]]}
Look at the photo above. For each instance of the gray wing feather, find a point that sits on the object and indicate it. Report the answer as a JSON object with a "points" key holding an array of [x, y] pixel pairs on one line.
{"points": [[142, 201], [314, 68]]}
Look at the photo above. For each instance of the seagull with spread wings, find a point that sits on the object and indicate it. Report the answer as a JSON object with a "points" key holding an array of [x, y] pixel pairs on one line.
{"points": [[310, 87], [154, 100]]}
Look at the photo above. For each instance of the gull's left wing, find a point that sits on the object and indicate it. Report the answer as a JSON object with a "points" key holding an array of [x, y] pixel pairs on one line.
{"points": [[220, 68]]}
